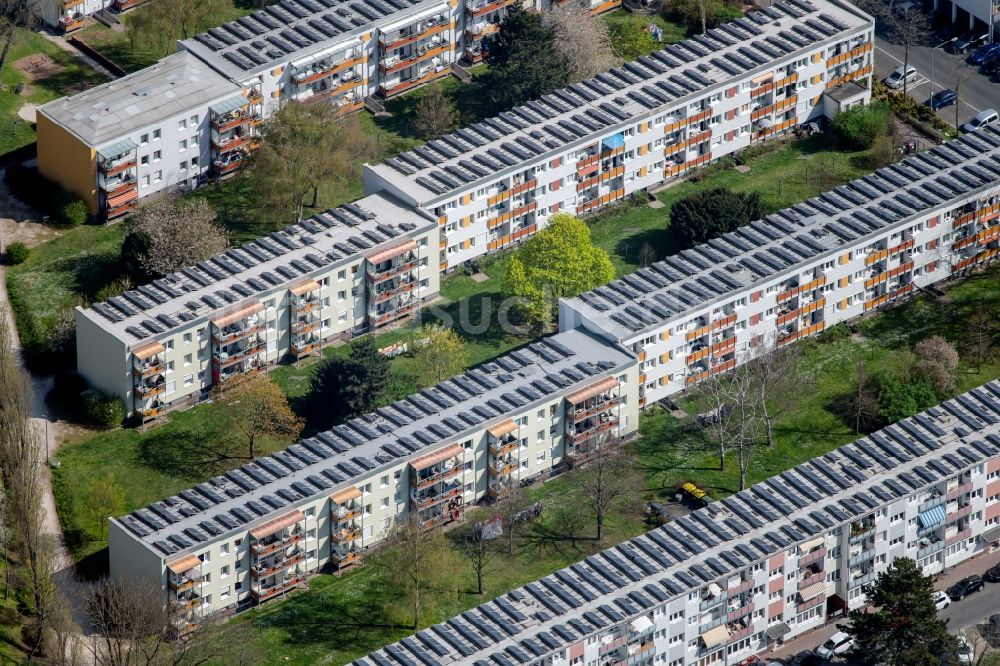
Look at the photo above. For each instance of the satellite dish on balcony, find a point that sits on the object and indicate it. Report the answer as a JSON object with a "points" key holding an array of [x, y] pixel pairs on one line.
{"points": [[223, 356]]}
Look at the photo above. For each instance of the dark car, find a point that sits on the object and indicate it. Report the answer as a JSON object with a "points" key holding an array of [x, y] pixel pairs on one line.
{"points": [[984, 54], [969, 40], [942, 98], [965, 587], [992, 67], [944, 34], [992, 574]]}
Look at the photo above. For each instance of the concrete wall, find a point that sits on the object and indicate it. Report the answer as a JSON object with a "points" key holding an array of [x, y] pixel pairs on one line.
{"points": [[65, 159]]}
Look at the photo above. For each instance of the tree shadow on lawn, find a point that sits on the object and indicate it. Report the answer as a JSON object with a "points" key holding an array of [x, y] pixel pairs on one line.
{"points": [[338, 622], [481, 318], [188, 453], [662, 240]]}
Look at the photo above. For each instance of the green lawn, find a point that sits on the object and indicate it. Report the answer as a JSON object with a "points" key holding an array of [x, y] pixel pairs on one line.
{"points": [[59, 275], [66, 77], [339, 619], [117, 44], [621, 18], [673, 451]]}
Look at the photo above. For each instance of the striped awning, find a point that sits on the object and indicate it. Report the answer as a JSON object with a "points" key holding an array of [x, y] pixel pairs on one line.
{"points": [[277, 524], [931, 517], [345, 495], [605, 384], [812, 591], [502, 428], [147, 350], [184, 564], [425, 461], [237, 315], [389, 253], [715, 636]]}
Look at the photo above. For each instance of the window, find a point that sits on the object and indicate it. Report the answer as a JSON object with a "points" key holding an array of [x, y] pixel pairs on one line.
{"points": [[144, 139], [341, 296], [157, 176], [224, 549], [187, 359], [144, 160], [384, 503], [224, 572], [157, 155], [182, 145], [341, 276], [194, 161], [156, 135], [188, 380], [145, 181], [187, 338], [540, 457], [182, 124], [194, 119], [384, 481]]}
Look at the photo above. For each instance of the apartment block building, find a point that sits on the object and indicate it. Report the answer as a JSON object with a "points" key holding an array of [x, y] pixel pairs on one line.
{"points": [[146, 133], [760, 567], [255, 532], [356, 268], [595, 142], [231, 77], [849, 251]]}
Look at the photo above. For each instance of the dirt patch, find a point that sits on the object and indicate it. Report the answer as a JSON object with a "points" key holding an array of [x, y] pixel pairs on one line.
{"points": [[20, 222], [38, 66]]}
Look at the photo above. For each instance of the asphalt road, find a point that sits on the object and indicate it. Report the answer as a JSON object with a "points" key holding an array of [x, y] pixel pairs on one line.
{"points": [[939, 70], [974, 609]]}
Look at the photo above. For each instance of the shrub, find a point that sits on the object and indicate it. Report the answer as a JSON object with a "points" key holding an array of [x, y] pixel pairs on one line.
{"points": [[858, 127], [705, 215], [74, 212], [103, 410], [17, 253], [116, 287], [898, 397]]}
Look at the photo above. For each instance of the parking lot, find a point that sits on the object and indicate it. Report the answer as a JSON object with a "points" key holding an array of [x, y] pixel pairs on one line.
{"points": [[939, 70]]}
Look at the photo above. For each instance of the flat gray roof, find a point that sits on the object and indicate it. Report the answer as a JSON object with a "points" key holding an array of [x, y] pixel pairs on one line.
{"points": [[319, 465], [293, 29], [113, 110], [713, 543], [726, 266], [260, 266], [646, 87]]}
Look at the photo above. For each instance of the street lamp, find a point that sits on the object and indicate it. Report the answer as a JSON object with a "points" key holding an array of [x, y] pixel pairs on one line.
{"points": [[947, 41]]}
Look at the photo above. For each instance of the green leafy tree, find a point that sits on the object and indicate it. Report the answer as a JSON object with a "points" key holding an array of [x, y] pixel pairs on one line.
{"points": [[705, 215], [524, 63], [900, 626], [859, 126], [105, 500], [435, 114], [343, 388], [632, 40], [558, 262], [439, 353], [898, 397]]}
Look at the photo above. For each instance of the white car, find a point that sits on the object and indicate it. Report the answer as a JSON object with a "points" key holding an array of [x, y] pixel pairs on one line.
{"points": [[941, 600], [964, 650], [839, 643], [901, 75]]}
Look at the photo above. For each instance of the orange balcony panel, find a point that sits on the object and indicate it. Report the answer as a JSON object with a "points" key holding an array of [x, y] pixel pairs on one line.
{"points": [[413, 83], [524, 187], [724, 366], [486, 9], [875, 257], [414, 59], [409, 39], [725, 322], [605, 7]]}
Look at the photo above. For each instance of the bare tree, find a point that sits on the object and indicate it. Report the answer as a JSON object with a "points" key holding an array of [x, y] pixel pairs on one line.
{"points": [[162, 23], [778, 380], [14, 14], [647, 254], [605, 480], [582, 40], [417, 561], [435, 114], [131, 622], [477, 546], [864, 408], [164, 236], [977, 340], [570, 520], [744, 397], [907, 28], [936, 360], [508, 508], [104, 501], [717, 420]]}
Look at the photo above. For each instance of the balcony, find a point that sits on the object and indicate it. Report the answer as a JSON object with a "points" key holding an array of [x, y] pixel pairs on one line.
{"points": [[387, 264], [224, 168], [71, 23], [399, 39], [288, 583], [392, 65], [148, 390], [421, 502], [346, 534], [419, 80], [961, 535], [439, 474], [930, 503], [477, 9], [959, 490], [403, 287], [503, 467], [117, 166], [277, 565], [223, 145], [930, 549], [317, 73], [261, 549], [576, 433], [345, 558], [861, 531], [812, 556], [376, 319]]}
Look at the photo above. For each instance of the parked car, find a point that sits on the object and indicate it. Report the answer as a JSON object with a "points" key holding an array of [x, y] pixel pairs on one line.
{"points": [[963, 650], [966, 586], [981, 119], [992, 67], [944, 34], [968, 40], [992, 574], [984, 54], [807, 658], [942, 98], [899, 75], [839, 643], [941, 600]]}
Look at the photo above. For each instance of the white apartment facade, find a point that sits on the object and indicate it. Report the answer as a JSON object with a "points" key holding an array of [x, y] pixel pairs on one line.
{"points": [[758, 568], [356, 268], [258, 531], [632, 128], [847, 252]]}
